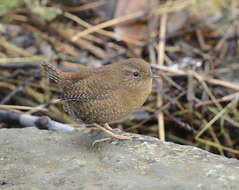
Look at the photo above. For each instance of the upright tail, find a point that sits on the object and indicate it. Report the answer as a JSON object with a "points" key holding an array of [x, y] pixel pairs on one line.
{"points": [[51, 71]]}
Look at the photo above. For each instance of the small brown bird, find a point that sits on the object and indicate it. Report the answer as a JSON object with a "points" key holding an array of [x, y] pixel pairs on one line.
{"points": [[102, 95]]}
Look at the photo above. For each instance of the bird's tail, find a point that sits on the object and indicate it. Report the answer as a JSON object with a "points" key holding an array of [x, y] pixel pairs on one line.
{"points": [[51, 71]]}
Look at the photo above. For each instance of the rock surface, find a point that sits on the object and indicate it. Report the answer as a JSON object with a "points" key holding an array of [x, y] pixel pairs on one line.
{"points": [[37, 159]]}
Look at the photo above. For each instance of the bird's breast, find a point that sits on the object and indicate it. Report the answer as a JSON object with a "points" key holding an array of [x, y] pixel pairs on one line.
{"points": [[131, 99]]}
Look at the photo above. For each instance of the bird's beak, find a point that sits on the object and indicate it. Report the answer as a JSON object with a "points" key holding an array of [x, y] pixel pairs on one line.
{"points": [[155, 76]]}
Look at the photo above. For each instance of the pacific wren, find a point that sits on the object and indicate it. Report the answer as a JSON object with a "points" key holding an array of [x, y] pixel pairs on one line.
{"points": [[105, 94]]}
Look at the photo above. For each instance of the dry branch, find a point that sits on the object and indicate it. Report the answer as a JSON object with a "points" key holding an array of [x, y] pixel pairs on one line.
{"points": [[27, 120]]}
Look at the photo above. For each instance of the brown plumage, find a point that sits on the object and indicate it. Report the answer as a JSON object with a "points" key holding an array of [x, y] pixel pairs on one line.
{"points": [[105, 94], [101, 95]]}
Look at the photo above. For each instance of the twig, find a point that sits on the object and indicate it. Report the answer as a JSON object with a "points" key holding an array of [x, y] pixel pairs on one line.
{"points": [[21, 59], [177, 139], [58, 45], [17, 107], [223, 99], [190, 92], [154, 40], [170, 81], [201, 40], [166, 8], [84, 7], [204, 78], [107, 24], [208, 90], [185, 126], [66, 34], [19, 65], [17, 90], [228, 141], [101, 31], [12, 47], [224, 110], [204, 94], [42, 106], [27, 120], [218, 146], [152, 55], [161, 50], [227, 118], [211, 131]]}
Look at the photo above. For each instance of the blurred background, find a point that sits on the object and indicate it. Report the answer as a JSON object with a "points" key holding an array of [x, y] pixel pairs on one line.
{"points": [[191, 44]]}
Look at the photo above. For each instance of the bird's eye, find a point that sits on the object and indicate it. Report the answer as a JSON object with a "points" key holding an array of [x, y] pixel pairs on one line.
{"points": [[136, 74]]}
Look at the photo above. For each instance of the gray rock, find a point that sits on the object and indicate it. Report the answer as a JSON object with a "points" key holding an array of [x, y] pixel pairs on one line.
{"points": [[35, 159]]}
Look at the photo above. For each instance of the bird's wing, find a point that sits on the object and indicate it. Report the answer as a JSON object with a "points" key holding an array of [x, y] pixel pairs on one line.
{"points": [[90, 89], [85, 92]]}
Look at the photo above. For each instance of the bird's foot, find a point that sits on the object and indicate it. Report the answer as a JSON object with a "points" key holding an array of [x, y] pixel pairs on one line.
{"points": [[108, 130], [106, 125]]}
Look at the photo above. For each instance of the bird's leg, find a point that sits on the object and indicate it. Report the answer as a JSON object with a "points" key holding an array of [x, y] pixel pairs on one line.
{"points": [[108, 130], [106, 125]]}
